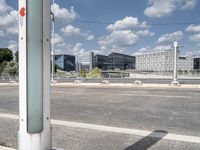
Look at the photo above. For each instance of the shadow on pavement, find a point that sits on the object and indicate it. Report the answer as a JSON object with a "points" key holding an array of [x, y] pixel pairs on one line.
{"points": [[148, 141]]}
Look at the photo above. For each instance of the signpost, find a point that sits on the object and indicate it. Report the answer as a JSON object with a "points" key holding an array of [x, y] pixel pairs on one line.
{"points": [[34, 75]]}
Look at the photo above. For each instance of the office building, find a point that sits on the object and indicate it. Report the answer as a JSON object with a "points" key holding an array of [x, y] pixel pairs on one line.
{"points": [[113, 61], [196, 63], [120, 61], [99, 61], [162, 61], [65, 62]]}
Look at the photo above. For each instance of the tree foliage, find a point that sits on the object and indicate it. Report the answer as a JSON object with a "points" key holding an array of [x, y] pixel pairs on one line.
{"points": [[82, 73], [11, 68], [17, 56], [5, 55], [2, 67], [95, 73]]}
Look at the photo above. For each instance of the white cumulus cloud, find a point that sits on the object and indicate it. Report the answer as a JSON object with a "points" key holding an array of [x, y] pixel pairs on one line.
{"points": [[193, 28], [4, 8], [119, 39], [70, 30], [81, 54], [145, 33], [188, 4], [74, 31], [63, 13], [171, 37], [9, 19], [124, 33], [162, 8], [57, 40], [195, 38], [127, 23]]}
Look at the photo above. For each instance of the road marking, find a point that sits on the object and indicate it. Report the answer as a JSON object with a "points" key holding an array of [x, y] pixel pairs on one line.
{"points": [[169, 136], [167, 96], [128, 94]]}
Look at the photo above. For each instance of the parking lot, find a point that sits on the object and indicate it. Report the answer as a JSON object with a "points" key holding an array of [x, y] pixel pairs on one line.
{"points": [[119, 118]]}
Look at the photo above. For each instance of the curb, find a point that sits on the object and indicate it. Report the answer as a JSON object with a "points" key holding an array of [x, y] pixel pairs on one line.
{"points": [[9, 84], [128, 85]]}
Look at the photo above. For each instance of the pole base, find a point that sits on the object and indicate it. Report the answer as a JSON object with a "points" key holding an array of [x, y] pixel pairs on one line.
{"points": [[54, 81], [137, 82], [175, 83]]}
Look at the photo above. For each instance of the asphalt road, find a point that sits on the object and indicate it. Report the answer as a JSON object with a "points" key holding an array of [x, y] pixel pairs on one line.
{"points": [[170, 110]]}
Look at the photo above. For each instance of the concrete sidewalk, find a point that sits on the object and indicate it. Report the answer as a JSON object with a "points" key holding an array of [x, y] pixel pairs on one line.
{"points": [[129, 85]]}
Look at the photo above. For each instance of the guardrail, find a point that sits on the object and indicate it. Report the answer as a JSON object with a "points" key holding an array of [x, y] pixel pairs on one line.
{"points": [[9, 77]]}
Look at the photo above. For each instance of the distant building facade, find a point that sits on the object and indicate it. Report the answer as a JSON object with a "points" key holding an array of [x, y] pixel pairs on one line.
{"points": [[65, 62], [120, 61], [196, 63], [162, 61], [99, 61], [113, 61], [185, 63]]}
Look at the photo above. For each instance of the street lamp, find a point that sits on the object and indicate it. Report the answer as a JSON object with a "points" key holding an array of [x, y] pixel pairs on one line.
{"points": [[175, 80]]}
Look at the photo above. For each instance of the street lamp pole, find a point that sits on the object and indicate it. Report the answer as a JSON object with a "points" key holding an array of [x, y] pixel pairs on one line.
{"points": [[175, 61], [175, 80]]}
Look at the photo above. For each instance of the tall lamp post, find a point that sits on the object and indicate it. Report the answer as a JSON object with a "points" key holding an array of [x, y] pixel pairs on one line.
{"points": [[175, 80]]}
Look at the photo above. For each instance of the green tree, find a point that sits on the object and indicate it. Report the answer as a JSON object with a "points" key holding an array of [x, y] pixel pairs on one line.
{"points": [[5, 55], [95, 73], [11, 68], [2, 66], [17, 56]]}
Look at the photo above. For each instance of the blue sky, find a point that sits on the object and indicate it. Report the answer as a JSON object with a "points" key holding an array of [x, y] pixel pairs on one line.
{"points": [[130, 26]]}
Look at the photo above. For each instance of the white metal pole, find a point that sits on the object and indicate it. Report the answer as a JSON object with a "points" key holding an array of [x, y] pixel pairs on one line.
{"points": [[175, 61], [34, 105], [175, 81], [52, 45]]}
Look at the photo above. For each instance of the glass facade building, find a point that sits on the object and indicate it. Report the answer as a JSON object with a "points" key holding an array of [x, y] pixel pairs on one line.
{"points": [[113, 61], [120, 61], [99, 61], [196, 64], [65, 62]]}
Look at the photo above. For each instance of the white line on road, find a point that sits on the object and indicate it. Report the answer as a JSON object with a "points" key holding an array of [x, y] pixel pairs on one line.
{"points": [[166, 96], [169, 136], [128, 94]]}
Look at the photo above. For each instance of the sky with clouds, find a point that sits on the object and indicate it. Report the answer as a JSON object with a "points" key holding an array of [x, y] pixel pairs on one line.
{"points": [[104, 26]]}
